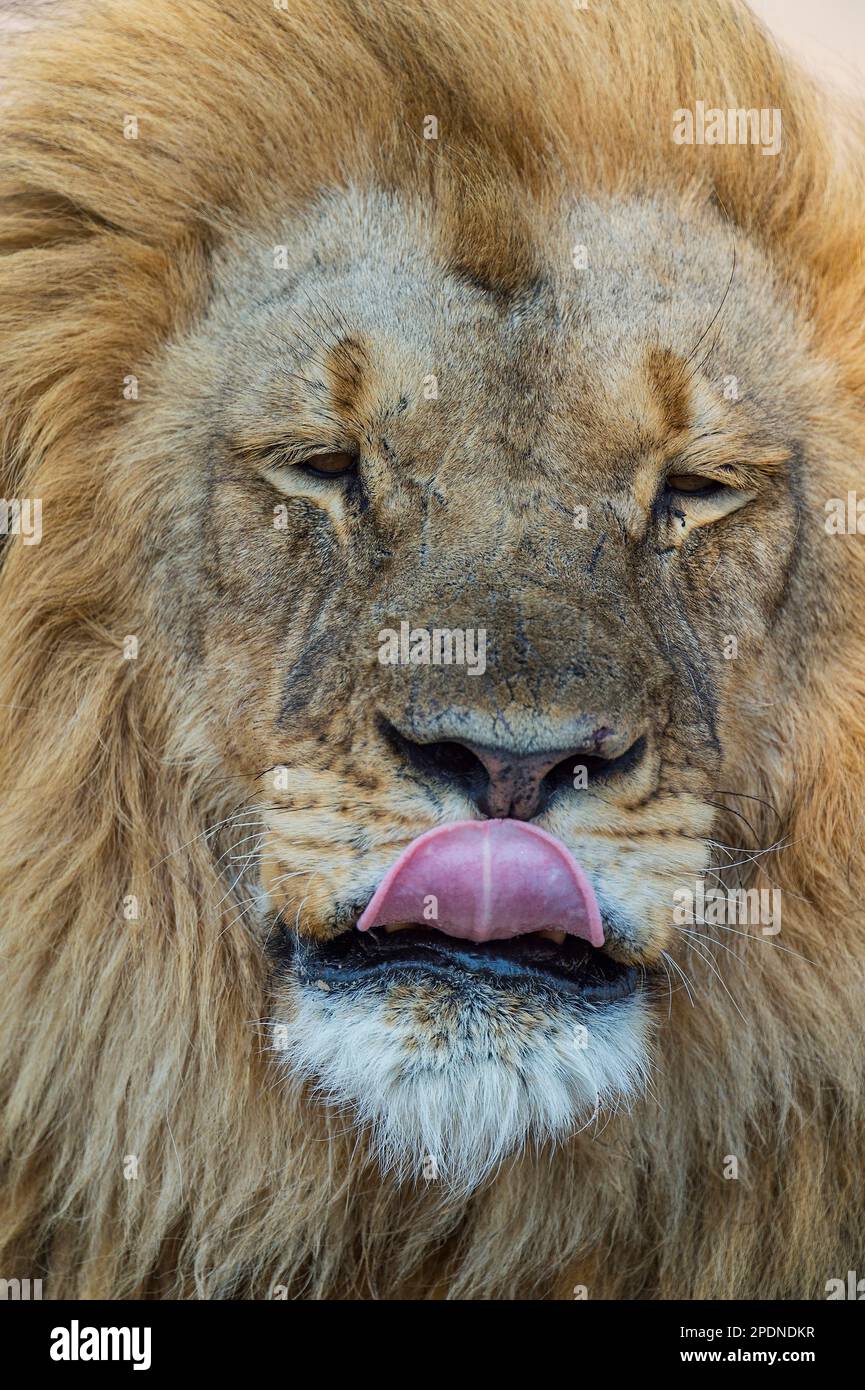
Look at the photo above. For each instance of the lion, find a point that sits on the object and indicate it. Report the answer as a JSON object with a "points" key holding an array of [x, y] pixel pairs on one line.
{"points": [[437, 449]]}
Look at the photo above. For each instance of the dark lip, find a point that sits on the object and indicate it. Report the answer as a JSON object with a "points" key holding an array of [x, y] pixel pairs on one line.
{"points": [[575, 969]]}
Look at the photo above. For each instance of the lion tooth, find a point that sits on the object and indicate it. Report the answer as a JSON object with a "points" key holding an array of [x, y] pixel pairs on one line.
{"points": [[557, 936], [398, 926]]}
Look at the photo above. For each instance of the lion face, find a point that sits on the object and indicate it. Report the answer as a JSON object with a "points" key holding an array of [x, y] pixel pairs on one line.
{"points": [[481, 537]]}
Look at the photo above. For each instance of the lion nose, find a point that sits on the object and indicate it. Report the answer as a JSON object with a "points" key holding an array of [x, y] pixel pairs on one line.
{"points": [[508, 783], [517, 785]]}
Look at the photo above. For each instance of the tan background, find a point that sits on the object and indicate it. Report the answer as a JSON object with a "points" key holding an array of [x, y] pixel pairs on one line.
{"points": [[827, 35]]}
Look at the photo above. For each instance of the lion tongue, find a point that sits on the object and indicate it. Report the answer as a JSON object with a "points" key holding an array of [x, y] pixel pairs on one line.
{"points": [[487, 880]]}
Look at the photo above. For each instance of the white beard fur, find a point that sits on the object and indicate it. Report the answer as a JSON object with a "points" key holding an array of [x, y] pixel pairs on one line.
{"points": [[451, 1110]]}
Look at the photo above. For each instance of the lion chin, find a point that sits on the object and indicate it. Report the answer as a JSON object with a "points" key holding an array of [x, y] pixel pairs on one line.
{"points": [[445, 1088], [432, 578]]}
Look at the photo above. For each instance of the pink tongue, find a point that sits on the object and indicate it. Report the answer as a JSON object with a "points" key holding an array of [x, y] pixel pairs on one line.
{"points": [[488, 880]]}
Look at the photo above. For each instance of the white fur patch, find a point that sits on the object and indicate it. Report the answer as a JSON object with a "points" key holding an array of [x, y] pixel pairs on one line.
{"points": [[450, 1103]]}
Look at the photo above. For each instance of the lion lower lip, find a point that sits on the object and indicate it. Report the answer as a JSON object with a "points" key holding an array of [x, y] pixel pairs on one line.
{"points": [[571, 968], [548, 934]]}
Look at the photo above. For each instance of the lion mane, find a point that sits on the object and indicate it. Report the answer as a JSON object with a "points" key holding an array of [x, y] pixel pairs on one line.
{"points": [[146, 1148]]}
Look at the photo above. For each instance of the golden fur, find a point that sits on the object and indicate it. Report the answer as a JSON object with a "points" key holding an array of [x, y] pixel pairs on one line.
{"points": [[134, 1037]]}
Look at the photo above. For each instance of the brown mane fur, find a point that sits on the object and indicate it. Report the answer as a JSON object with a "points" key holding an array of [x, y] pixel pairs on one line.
{"points": [[138, 1037]]}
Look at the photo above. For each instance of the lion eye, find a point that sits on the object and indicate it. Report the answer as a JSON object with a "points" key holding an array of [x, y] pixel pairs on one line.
{"points": [[332, 465], [693, 482]]}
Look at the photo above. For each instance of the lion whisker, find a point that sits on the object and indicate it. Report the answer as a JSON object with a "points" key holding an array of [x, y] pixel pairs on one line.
{"points": [[232, 849], [764, 940], [685, 981], [750, 796], [202, 835], [710, 961]]}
